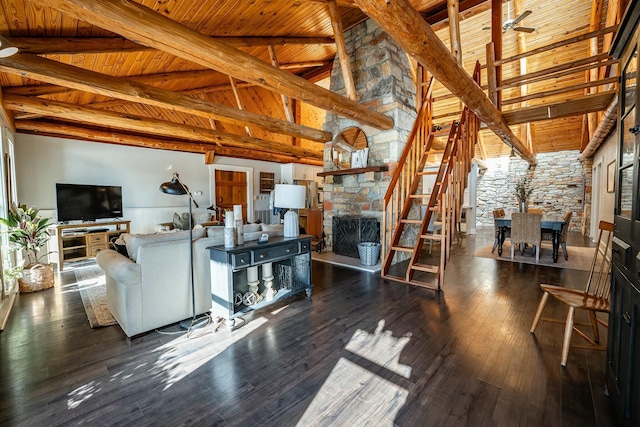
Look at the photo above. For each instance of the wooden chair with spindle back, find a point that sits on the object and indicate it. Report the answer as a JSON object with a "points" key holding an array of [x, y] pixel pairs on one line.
{"points": [[594, 298]]}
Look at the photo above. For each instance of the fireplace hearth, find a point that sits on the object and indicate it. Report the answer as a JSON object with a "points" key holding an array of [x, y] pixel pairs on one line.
{"points": [[348, 231]]}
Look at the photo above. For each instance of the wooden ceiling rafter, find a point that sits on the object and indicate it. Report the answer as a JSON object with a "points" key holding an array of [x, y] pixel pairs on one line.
{"points": [[286, 102], [133, 123], [85, 133], [159, 79], [58, 73], [6, 116], [145, 26], [77, 45], [527, 130], [572, 107], [343, 56], [239, 102]]}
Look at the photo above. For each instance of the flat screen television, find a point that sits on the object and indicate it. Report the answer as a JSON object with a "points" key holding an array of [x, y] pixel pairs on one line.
{"points": [[77, 202]]}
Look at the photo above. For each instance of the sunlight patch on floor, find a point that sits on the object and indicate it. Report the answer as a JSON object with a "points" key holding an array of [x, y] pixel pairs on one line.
{"points": [[183, 355], [353, 394]]}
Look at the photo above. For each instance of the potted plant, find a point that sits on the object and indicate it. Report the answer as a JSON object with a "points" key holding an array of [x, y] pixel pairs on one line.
{"points": [[28, 231], [522, 192]]}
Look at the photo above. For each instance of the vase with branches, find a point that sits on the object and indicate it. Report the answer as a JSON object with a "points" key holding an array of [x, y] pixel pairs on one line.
{"points": [[522, 191]]}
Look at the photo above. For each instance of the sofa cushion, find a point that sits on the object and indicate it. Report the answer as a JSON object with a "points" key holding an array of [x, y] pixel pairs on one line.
{"points": [[215, 231], [252, 228], [267, 228], [143, 239]]}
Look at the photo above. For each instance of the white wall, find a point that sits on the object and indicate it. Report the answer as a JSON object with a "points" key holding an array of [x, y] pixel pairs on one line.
{"points": [[42, 161], [603, 208]]}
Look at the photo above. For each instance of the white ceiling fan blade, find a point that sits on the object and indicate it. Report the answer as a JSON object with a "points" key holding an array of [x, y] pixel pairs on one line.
{"points": [[521, 17], [524, 29]]}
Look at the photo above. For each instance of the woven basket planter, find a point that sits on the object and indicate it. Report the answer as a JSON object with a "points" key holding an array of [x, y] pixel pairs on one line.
{"points": [[36, 278]]}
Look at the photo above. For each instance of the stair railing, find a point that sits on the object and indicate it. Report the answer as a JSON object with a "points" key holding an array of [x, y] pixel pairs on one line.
{"points": [[398, 190]]}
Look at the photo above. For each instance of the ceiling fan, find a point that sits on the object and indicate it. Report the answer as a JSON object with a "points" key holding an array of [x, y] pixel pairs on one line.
{"points": [[512, 24]]}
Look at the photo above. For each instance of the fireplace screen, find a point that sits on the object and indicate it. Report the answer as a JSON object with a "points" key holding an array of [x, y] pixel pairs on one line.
{"points": [[348, 231]]}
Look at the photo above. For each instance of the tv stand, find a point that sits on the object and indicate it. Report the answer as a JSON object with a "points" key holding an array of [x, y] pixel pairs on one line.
{"points": [[75, 242]]}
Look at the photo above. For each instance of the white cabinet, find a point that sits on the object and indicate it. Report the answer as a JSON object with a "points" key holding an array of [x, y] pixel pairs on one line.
{"points": [[296, 172]]}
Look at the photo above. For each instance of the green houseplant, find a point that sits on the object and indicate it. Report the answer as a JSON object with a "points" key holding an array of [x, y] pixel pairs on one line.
{"points": [[28, 231]]}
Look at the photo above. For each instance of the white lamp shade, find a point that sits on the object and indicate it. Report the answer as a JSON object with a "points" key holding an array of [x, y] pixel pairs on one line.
{"points": [[290, 196]]}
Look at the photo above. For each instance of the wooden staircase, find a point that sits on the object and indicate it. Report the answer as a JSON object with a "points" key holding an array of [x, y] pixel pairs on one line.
{"points": [[412, 216]]}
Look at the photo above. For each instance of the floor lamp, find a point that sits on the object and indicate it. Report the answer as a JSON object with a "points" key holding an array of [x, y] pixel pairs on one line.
{"points": [[176, 187]]}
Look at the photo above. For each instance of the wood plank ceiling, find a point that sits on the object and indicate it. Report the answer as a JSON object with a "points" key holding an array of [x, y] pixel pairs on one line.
{"points": [[143, 73]]}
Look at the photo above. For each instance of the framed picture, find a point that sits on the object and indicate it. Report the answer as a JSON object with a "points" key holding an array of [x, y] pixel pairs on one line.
{"points": [[267, 182], [611, 177]]}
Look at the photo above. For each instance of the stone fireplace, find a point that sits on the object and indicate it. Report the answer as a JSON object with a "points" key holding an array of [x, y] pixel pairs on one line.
{"points": [[384, 82]]}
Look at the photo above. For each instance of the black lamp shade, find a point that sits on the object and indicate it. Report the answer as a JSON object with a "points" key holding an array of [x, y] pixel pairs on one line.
{"points": [[173, 187]]}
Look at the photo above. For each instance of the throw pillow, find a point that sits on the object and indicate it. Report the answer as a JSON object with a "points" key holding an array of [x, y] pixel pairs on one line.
{"points": [[119, 246], [181, 222]]}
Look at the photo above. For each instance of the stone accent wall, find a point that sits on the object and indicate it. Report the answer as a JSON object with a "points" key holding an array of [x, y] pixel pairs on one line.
{"points": [[558, 183], [384, 82]]}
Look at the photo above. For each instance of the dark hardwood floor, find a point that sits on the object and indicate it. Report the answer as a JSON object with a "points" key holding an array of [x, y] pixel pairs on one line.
{"points": [[362, 351]]}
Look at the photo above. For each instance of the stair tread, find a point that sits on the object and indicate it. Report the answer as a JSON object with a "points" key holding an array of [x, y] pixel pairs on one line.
{"points": [[419, 196], [411, 221], [402, 248], [429, 285], [426, 268], [431, 236], [428, 173]]}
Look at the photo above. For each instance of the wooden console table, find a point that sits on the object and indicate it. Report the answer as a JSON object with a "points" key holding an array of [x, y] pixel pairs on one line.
{"points": [[74, 242], [287, 259]]}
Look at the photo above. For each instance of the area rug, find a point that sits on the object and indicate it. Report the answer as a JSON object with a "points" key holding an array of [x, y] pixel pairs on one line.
{"points": [[93, 290], [579, 257]]}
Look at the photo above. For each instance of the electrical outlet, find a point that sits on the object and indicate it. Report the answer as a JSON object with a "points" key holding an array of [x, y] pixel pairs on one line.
{"points": [[197, 193]]}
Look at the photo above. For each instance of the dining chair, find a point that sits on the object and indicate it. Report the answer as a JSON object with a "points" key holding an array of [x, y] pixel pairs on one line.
{"points": [[548, 234], [499, 213], [525, 229], [535, 210], [594, 298]]}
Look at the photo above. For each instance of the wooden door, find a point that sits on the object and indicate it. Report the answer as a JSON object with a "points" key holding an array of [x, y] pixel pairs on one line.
{"points": [[231, 189]]}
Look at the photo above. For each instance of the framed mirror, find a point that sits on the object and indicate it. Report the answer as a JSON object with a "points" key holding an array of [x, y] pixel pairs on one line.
{"points": [[349, 149]]}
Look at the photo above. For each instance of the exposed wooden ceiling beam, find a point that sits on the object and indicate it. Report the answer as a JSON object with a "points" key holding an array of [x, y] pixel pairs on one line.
{"points": [[344, 3], [76, 45], [150, 126], [161, 79], [6, 116], [54, 72], [438, 17], [606, 125], [454, 29], [286, 102], [405, 25], [150, 28], [572, 107], [63, 130], [343, 56]]}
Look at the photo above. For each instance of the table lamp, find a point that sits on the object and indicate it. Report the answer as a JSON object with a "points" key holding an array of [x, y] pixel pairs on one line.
{"points": [[290, 197]]}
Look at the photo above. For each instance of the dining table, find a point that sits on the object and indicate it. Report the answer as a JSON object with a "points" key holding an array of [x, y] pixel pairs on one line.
{"points": [[548, 222]]}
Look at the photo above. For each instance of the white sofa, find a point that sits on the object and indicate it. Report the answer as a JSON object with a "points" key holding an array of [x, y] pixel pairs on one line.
{"points": [[152, 288]]}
